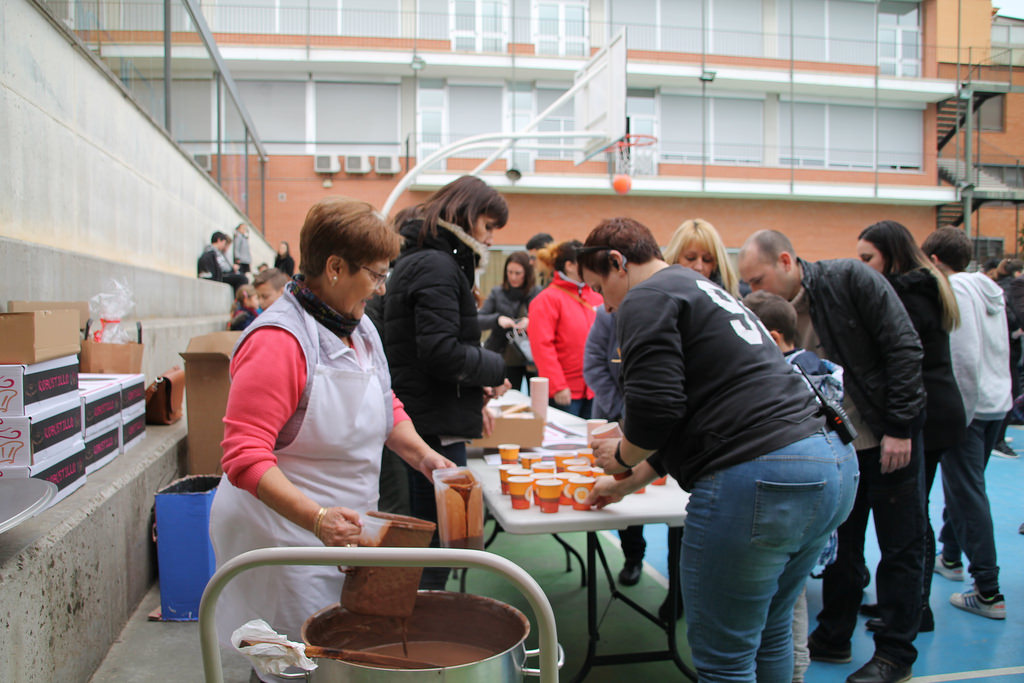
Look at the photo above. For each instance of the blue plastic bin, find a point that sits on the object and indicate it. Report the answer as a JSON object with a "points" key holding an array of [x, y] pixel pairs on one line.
{"points": [[184, 552]]}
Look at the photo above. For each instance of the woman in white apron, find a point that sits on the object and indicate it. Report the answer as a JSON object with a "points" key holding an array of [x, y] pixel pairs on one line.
{"points": [[309, 410]]}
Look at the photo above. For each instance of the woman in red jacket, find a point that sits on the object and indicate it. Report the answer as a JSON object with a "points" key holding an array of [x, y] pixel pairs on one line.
{"points": [[560, 319]]}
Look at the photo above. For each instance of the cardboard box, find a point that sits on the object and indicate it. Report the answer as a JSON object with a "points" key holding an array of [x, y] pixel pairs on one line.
{"points": [[207, 382], [66, 471], [102, 448], [101, 406], [38, 336], [132, 431], [111, 358], [28, 388], [521, 428], [81, 306], [31, 439], [133, 389], [184, 552]]}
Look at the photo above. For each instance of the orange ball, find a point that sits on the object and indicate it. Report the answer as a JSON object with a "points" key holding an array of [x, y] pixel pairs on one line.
{"points": [[622, 183]]}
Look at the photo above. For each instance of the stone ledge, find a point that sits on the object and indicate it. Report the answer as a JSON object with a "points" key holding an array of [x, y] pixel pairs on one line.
{"points": [[71, 576]]}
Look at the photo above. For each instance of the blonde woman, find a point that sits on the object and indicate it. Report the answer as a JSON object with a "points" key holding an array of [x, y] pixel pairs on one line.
{"points": [[697, 245]]}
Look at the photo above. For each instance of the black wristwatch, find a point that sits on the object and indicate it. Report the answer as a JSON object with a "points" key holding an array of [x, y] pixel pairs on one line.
{"points": [[618, 457]]}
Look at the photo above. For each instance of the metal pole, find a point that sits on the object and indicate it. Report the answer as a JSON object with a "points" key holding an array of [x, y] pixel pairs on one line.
{"points": [[875, 111], [482, 140], [377, 557], [220, 145], [167, 66], [792, 103]]}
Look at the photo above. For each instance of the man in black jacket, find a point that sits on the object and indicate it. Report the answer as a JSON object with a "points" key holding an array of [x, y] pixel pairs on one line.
{"points": [[850, 315]]}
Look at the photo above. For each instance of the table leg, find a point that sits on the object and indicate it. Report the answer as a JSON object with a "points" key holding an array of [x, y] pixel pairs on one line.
{"points": [[675, 544], [569, 553], [592, 633]]}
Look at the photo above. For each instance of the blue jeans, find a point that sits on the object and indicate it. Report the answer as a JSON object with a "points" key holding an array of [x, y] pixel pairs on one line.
{"points": [[753, 533], [968, 517]]}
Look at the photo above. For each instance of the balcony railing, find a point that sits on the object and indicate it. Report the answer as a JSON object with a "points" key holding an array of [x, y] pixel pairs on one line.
{"points": [[311, 24]]}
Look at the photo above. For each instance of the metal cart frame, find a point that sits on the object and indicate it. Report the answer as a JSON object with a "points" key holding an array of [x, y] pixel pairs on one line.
{"points": [[378, 557]]}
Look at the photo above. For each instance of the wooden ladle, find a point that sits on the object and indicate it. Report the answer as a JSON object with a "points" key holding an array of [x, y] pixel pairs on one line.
{"points": [[355, 656]]}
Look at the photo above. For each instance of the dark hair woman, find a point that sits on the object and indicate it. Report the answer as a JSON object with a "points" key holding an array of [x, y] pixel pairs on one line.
{"points": [[284, 261], [302, 452], [431, 333], [709, 399], [561, 317], [505, 309], [890, 248]]}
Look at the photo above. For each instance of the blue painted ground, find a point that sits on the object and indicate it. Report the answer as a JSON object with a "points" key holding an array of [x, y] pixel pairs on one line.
{"points": [[961, 642]]}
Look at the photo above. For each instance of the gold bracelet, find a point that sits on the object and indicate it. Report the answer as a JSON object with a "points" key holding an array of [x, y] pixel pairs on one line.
{"points": [[318, 521]]}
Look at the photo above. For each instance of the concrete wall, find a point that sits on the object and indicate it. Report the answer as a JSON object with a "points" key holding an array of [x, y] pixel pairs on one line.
{"points": [[84, 169], [91, 188]]}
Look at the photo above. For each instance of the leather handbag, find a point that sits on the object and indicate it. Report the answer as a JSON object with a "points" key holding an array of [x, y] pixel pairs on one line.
{"points": [[164, 397]]}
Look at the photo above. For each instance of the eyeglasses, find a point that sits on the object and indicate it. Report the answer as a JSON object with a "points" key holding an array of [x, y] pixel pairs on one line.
{"points": [[378, 278]]}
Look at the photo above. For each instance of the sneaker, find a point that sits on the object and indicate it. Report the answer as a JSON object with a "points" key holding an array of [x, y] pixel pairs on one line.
{"points": [[1003, 450], [971, 601], [954, 571]]}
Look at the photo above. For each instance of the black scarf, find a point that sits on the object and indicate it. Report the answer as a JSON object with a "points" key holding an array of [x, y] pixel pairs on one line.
{"points": [[338, 323]]}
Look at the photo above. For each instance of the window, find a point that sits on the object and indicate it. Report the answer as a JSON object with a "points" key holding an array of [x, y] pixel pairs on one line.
{"points": [[641, 111], [478, 25], [277, 109], [736, 28], [430, 109], [843, 136], [991, 114], [559, 120], [734, 130], [363, 116], [561, 28], [899, 38], [520, 108]]}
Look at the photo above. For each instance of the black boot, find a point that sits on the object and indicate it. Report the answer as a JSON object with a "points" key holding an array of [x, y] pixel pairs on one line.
{"points": [[631, 571], [880, 670]]}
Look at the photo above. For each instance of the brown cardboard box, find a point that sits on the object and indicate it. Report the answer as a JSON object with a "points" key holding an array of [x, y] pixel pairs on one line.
{"points": [[521, 428], [207, 382], [111, 358], [38, 336], [24, 306]]}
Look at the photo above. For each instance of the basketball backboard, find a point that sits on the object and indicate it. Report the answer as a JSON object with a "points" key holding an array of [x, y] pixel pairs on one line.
{"points": [[599, 106]]}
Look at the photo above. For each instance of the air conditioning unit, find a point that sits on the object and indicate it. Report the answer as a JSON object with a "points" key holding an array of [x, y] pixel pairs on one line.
{"points": [[205, 161], [357, 163], [326, 163], [387, 165]]}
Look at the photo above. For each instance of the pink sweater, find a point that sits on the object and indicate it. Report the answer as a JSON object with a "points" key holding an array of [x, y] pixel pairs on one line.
{"points": [[257, 411]]}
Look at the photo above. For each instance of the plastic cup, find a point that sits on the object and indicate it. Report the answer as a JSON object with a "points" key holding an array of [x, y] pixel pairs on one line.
{"points": [[509, 453], [543, 467], [577, 461], [582, 470], [561, 460], [519, 490], [660, 481], [538, 476], [579, 489], [564, 477], [539, 397], [593, 424], [587, 453], [548, 493], [504, 472], [528, 460]]}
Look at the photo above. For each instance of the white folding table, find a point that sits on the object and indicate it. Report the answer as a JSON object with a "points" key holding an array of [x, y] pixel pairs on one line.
{"points": [[658, 505]]}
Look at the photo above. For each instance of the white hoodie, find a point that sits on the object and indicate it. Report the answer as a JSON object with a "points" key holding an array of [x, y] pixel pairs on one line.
{"points": [[980, 347]]}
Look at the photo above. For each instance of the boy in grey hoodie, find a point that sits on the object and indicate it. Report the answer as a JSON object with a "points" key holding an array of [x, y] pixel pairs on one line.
{"points": [[981, 353]]}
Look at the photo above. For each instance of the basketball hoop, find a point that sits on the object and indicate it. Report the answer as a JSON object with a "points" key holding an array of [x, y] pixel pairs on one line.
{"points": [[630, 156]]}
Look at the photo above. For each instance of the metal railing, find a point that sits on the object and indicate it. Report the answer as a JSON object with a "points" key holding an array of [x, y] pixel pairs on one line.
{"points": [[159, 79], [305, 23]]}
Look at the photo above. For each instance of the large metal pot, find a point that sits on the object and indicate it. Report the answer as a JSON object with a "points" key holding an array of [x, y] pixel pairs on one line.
{"points": [[471, 620]]}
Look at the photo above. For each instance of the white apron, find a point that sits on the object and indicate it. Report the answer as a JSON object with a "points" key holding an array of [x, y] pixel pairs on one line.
{"points": [[335, 460]]}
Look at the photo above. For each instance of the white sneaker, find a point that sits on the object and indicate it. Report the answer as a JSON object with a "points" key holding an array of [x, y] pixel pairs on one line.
{"points": [[971, 601], [953, 572]]}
